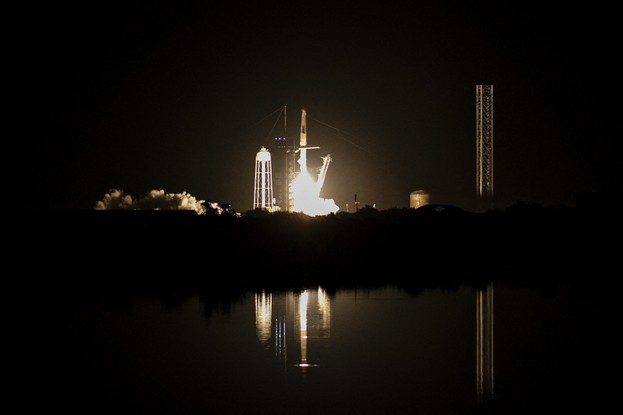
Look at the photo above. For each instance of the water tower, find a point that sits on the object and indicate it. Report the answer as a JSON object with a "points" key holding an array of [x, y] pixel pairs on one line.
{"points": [[263, 194]]}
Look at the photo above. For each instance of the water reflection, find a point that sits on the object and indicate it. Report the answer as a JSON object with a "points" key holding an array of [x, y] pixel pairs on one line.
{"points": [[303, 301], [263, 316], [484, 344], [364, 351], [284, 318], [295, 317]]}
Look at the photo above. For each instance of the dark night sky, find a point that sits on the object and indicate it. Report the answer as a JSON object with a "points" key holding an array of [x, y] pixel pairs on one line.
{"points": [[172, 95]]}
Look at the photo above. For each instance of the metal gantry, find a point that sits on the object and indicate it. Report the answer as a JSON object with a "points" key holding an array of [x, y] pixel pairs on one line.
{"points": [[484, 145]]}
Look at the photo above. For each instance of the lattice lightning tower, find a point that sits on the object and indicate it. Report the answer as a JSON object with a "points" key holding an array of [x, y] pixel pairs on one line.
{"points": [[484, 145]]}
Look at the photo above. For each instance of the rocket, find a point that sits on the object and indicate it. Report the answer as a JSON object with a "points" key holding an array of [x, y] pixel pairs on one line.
{"points": [[303, 142]]}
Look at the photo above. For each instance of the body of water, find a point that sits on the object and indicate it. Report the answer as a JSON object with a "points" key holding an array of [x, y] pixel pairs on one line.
{"points": [[495, 349]]}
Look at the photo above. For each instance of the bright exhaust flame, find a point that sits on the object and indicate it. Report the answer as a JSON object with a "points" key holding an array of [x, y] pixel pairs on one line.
{"points": [[306, 191]]}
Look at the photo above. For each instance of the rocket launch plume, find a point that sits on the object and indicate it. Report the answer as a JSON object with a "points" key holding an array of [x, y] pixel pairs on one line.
{"points": [[306, 191]]}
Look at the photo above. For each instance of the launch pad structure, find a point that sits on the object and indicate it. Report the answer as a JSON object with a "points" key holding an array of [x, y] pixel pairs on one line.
{"points": [[281, 196], [284, 195], [290, 172]]}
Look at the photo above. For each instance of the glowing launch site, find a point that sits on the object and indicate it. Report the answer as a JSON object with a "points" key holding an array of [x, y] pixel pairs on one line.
{"points": [[298, 190], [290, 176], [302, 191]]}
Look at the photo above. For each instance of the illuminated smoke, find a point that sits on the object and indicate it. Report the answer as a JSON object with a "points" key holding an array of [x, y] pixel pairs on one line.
{"points": [[159, 200], [115, 199], [306, 192], [153, 200]]}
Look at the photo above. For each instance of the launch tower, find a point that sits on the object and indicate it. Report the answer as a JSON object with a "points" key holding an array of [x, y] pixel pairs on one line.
{"points": [[286, 167]]}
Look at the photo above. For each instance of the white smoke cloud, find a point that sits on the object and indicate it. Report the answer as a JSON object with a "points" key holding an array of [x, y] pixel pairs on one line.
{"points": [[115, 199], [153, 200]]}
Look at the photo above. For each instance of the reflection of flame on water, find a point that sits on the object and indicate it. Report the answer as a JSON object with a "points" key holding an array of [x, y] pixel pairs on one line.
{"points": [[295, 318], [303, 300], [263, 315]]}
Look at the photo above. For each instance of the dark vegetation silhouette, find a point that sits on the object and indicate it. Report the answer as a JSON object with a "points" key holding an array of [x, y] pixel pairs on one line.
{"points": [[171, 255]]}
